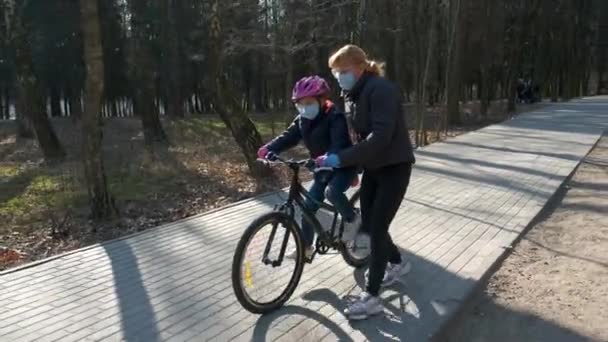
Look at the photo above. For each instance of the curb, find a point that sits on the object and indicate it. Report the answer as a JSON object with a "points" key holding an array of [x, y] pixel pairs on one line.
{"points": [[128, 236]]}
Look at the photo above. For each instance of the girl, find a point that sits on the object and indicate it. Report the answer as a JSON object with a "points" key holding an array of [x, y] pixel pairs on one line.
{"points": [[323, 130]]}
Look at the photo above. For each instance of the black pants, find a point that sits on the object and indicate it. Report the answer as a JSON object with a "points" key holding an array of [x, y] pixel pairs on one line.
{"points": [[382, 192]]}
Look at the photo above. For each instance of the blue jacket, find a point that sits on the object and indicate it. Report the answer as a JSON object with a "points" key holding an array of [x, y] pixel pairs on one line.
{"points": [[327, 133]]}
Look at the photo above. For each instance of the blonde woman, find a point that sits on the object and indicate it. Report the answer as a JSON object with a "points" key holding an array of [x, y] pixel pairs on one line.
{"points": [[384, 150]]}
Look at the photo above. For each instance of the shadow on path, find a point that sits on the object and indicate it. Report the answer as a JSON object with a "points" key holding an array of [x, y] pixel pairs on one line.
{"points": [[414, 308], [136, 311]]}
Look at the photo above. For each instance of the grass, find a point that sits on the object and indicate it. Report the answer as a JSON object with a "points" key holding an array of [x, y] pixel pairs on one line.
{"points": [[34, 193], [202, 154], [8, 170], [139, 186]]}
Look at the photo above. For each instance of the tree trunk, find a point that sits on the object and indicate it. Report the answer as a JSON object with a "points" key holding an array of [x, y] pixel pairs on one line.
{"points": [[486, 91], [398, 46], [24, 126], [35, 110], [141, 78], [55, 97], [101, 201], [357, 34], [487, 77], [454, 64], [289, 81], [172, 66], [259, 84], [152, 127], [421, 138], [31, 99], [75, 105], [5, 103], [47, 139], [600, 82], [66, 107], [225, 104]]}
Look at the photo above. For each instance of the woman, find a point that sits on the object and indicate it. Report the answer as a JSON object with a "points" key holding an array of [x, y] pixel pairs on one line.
{"points": [[384, 150], [323, 130]]}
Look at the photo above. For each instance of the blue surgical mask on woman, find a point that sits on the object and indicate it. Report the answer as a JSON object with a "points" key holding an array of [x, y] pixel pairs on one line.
{"points": [[346, 80], [308, 111]]}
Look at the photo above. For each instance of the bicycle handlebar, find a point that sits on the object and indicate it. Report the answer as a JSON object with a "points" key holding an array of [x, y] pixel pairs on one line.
{"points": [[310, 164]]}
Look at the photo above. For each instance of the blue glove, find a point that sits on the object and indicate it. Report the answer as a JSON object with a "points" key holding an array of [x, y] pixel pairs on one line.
{"points": [[328, 160]]}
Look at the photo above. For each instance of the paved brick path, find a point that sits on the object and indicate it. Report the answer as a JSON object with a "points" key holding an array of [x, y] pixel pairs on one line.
{"points": [[469, 199]]}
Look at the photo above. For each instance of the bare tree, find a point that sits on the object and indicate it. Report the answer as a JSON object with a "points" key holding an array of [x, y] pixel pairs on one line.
{"points": [[102, 202], [171, 58], [143, 73], [31, 100], [421, 133], [453, 64], [224, 102]]}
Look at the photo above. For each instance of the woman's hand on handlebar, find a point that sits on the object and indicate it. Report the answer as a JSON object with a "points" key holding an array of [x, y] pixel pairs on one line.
{"points": [[328, 161]]}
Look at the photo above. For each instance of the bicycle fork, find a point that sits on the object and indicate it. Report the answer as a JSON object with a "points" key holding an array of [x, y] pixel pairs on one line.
{"points": [[265, 259]]}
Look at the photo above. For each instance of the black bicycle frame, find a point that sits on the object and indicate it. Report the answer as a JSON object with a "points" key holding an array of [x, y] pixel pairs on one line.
{"points": [[298, 195]]}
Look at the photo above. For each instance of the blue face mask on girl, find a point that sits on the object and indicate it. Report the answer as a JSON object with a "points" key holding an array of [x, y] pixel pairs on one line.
{"points": [[309, 112], [346, 80]]}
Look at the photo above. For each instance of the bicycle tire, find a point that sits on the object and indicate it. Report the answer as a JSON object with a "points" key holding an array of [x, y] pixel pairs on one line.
{"points": [[237, 277], [349, 258]]}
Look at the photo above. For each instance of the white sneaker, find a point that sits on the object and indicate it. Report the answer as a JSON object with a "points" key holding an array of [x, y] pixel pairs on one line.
{"points": [[351, 228], [364, 307], [395, 271], [308, 252], [392, 273]]}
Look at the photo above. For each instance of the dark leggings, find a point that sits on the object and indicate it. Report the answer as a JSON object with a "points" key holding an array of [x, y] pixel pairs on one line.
{"points": [[382, 192]]}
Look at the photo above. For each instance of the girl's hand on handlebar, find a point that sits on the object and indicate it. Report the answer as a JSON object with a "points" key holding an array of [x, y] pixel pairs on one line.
{"points": [[265, 154], [271, 156], [262, 152]]}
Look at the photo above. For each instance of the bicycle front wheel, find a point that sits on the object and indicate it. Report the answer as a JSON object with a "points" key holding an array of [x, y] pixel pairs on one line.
{"points": [[263, 275]]}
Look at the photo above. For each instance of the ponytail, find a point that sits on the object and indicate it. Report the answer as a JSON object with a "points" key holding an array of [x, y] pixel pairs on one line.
{"points": [[376, 68]]}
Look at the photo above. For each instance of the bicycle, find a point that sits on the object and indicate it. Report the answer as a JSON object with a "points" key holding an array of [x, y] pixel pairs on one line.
{"points": [[355, 253]]}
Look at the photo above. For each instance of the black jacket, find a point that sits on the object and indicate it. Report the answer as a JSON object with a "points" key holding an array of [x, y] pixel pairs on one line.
{"points": [[327, 133], [379, 125]]}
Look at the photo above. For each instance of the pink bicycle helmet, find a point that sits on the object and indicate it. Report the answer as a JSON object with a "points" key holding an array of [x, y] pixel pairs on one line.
{"points": [[311, 86]]}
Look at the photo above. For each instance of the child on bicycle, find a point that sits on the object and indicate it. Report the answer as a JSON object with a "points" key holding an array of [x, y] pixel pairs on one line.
{"points": [[324, 131]]}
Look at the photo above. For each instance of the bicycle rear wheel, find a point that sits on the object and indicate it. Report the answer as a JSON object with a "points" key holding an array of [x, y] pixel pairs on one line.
{"points": [[356, 253], [263, 277]]}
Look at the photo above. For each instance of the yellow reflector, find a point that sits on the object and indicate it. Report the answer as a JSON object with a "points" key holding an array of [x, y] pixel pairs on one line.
{"points": [[248, 275]]}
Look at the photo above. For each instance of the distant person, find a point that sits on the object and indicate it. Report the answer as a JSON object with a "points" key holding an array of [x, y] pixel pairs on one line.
{"points": [[323, 130], [521, 89], [384, 150]]}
